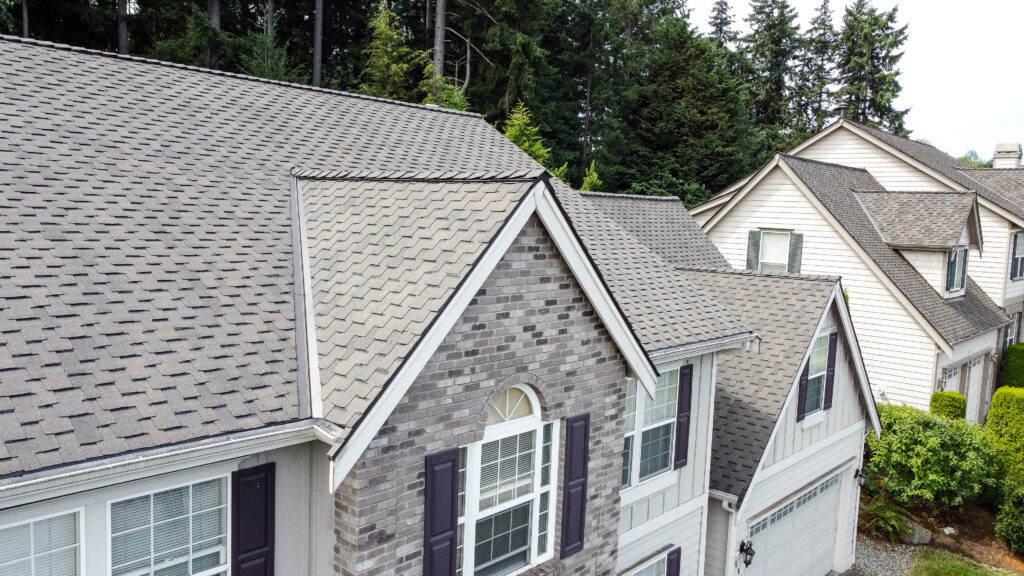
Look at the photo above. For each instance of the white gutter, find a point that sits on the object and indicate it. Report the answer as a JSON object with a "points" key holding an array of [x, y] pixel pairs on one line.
{"points": [[669, 355]]}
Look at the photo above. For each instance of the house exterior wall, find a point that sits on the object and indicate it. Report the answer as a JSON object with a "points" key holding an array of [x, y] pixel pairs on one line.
{"points": [[900, 374], [685, 532], [848, 149], [931, 264], [718, 545], [848, 409], [530, 324], [991, 267]]}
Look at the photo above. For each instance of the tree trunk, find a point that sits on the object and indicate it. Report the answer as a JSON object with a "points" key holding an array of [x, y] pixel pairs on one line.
{"points": [[24, 18], [318, 40], [469, 58], [270, 14], [439, 38], [122, 26], [429, 20], [213, 10]]}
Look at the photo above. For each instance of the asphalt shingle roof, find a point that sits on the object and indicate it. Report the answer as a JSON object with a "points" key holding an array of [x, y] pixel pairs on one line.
{"points": [[918, 219], [146, 284], [1006, 182]]}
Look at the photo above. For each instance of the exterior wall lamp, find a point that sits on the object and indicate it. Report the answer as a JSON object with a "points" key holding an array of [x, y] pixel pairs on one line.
{"points": [[747, 552], [861, 476]]}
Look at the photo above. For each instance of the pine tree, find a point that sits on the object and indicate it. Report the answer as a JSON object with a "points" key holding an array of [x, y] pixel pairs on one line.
{"points": [[721, 22], [814, 90], [265, 58], [869, 58], [591, 181], [390, 62], [521, 130], [440, 91], [771, 48]]}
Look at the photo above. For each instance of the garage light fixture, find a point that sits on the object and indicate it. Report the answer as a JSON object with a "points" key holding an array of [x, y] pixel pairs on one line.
{"points": [[861, 476], [747, 551]]}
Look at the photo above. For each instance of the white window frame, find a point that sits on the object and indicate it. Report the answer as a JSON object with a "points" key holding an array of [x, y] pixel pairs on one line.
{"points": [[823, 375], [1016, 245], [225, 568], [79, 516], [472, 513], [760, 257], [657, 559], [962, 260], [1010, 331], [639, 428]]}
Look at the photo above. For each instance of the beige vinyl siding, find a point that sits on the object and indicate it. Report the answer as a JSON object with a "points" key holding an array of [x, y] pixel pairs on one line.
{"points": [[684, 533], [702, 217], [848, 149], [718, 539], [991, 268], [847, 410], [903, 372], [931, 264]]}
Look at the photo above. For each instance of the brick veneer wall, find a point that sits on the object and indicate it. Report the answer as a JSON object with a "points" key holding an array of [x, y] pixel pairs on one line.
{"points": [[529, 324]]}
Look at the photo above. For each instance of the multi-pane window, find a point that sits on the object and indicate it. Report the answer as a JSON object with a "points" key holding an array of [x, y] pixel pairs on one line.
{"points": [[774, 251], [46, 547], [650, 423], [656, 567], [1017, 257], [181, 531], [506, 490], [1010, 332], [816, 369], [956, 269]]}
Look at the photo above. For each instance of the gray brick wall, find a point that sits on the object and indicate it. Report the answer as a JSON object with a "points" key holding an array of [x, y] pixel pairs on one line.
{"points": [[529, 324]]}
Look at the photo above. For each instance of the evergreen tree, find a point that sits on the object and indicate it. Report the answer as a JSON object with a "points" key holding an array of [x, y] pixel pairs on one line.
{"points": [[771, 49], [814, 90], [721, 22], [265, 58], [8, 23], [869, 57], [591, 181], [440, 91], [390, 62], [521, 130]]}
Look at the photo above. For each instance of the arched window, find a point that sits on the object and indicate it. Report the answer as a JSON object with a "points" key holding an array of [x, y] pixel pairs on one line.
{"points": [[506, 489]]}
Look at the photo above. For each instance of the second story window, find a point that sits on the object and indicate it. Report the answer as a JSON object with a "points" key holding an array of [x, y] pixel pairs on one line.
{"points": [[1017, 257], [956, 270], [657, 427], [779, 251]]}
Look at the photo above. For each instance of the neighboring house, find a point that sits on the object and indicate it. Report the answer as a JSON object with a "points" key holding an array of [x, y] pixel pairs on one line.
{"points": [[790, 417], [919, 283]]}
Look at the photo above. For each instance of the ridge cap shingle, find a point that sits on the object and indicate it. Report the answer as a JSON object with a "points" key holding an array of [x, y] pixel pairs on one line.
{"points": [[419, 175]]}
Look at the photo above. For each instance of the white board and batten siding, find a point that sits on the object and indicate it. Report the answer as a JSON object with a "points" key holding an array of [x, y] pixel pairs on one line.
{"points": [[845, 148], [677, 498], [898, 354]]}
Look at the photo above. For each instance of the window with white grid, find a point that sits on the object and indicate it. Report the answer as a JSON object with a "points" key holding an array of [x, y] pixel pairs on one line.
{"points": [[45, 547], [656, 567], [182, 531], [650, 421], [817, 368]]}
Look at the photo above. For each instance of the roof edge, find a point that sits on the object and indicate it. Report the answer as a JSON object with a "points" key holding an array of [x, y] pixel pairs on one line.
{"points": [[420, 176]]}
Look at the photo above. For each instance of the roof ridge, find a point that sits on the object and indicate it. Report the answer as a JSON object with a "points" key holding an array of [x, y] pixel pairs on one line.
{"points": [[825, 278], [624, 195], [969, 169], [949, 192], [785, 156], [175, 65], [420, 175]]}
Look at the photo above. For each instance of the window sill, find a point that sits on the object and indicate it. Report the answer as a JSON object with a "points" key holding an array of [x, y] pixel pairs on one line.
{"points": [[648, 487], [812, 420]]}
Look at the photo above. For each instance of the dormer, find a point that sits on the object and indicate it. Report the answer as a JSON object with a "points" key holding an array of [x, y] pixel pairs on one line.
{"points": [[933, 231]]}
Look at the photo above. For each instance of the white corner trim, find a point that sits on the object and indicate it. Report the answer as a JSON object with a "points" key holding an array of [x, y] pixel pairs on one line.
{"points": [[312, 357], [538, 200], [739, 196]]}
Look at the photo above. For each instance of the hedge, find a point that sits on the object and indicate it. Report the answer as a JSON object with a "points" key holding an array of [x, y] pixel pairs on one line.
{"points": [[951, 405], [1012, 371], [1006, 426], [1010, 521]]}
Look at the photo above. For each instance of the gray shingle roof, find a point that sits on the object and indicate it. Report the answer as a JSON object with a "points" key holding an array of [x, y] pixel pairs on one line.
{"points": [[145, 241], [752, 388], [918, 219], [1006, 182], [955, 319], [664, 225], [385, 256]]}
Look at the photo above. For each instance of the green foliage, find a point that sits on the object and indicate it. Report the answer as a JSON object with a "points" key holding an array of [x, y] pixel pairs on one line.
{"points": [[1010, 520], [440, 91], [949, 405], [192, 45], [1012, 369], [1006, 426], [390, 63], [972, 159], [720, 23], [265, 59], [869, 57], [771, 49], [932, 561], [8, 22], [883, 518], [929, 461], [521, 130], [591, 181], [813, 94]]}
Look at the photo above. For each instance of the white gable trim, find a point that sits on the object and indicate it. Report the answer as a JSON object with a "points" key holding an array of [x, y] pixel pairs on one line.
{"points": [[538, 201], [739, 196], [309, 362]]}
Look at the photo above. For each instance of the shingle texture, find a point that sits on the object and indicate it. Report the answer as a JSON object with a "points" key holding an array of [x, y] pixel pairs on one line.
{"points": [[955, 319], [1006, 182], [145, 241], [918, 219], [385, 257]]}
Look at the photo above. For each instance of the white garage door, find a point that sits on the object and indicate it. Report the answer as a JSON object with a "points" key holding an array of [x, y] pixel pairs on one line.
{"points": [[799, 537]]}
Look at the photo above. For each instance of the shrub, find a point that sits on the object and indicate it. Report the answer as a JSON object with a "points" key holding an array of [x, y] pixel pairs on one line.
{"points": [[1006, 426], [1010, 521], [926, 460], [950, 405], [883, 518], [1012, 371]]}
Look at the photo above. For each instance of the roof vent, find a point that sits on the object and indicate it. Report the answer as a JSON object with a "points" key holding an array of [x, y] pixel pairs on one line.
{"points": [[1007, 156], [434, 106]]}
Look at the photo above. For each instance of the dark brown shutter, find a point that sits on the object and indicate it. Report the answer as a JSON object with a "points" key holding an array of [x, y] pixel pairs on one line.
{"points": [[830, 374], [801, 409], [1014, 269], [252, 521], [574, 488], [441, 513], [683, 416], [753, 250], [674, 557], [796, 252]]}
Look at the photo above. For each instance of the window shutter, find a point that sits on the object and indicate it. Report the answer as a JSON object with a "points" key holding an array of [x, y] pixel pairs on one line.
{"points": [[950, 270], [796, 252], [801, 409], [672, 565], [683, 416], [753, 249], [830, 373], [440, 513], [574, 489], [252, 518], [1014, 268]]}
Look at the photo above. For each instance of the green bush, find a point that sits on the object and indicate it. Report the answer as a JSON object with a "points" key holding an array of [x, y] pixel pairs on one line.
{"points": [[1012, 371], [1010, 521], [883, 518], [930, 461], [951, 405], [1006, 426]]}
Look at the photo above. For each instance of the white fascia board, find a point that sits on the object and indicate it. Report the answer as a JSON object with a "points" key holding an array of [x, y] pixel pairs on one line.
{"points": [[739, 196], [868, 261], [539, 200], [304, 290], [672, 356], [858, 359]]}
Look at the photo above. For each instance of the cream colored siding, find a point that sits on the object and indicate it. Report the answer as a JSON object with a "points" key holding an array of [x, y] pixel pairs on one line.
{"points": [[991, 268], [931, 264], [718, 539], [899, 355], [847, 410], [689, 482], [685, 533], [704, 216], [848, 149]]}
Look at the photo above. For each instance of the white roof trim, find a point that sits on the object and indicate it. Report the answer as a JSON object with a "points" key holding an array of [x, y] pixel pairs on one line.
{"points": [[540, 201], [308, 357], [739, 196]]}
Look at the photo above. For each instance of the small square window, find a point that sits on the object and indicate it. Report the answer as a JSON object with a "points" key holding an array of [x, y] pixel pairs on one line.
{"points": [[774, 251]]}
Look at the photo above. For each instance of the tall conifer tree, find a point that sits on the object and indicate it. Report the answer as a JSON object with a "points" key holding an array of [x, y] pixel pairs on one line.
{"points": [[771, 49], [815, 83], [721, 23]]}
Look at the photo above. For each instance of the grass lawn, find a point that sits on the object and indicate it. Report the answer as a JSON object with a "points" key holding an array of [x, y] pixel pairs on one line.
{"points": [[934, 562]]}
